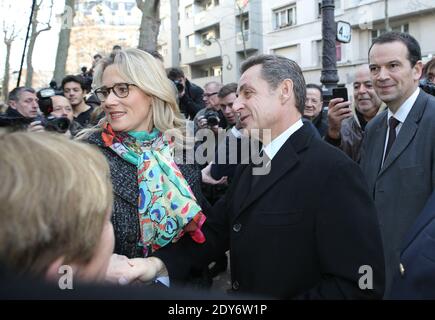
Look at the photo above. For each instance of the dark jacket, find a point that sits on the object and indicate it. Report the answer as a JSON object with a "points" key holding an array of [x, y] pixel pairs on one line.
{"points": [[191, 102], [126, 192], [415, 277], [303, 231], [402, 186], [321, 122]]}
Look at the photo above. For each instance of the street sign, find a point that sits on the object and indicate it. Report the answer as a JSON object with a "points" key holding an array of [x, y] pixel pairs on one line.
{"points": [[344, 32]]}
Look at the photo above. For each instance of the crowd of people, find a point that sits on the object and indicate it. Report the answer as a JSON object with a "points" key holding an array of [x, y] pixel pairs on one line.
{"points": [[312, 198]]}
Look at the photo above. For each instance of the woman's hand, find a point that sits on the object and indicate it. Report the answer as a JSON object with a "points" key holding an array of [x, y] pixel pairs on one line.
{"points": [[123, 271]]}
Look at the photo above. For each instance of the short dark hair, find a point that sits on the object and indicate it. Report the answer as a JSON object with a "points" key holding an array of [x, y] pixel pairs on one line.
{"points": [[77, 79], [429, 65], [97, 56], [175, 73], [414, 51], [276, 69], [227, 89], [116, 46], [317, 87], [15, 94]]}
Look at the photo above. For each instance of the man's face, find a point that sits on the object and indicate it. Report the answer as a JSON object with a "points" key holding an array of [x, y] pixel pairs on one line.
{"points": [[431, 74], [62, 108], [313, 103], [74, 93], [210, 97], [226, 105], [394, 79], [258, 106], [366, 99], [27, 104]]}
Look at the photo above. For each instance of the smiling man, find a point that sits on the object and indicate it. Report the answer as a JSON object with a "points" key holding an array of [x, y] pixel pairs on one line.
{"points": [[347, 124], [398, 152]]}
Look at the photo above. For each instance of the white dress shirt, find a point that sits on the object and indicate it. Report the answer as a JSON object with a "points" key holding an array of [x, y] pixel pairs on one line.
{"points": [[401, 115]]}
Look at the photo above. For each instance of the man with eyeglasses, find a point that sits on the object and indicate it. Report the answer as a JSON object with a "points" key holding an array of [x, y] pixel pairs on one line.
{"points": [[211, 100]]}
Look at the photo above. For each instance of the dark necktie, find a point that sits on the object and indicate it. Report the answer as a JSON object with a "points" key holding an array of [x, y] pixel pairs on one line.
{"points": [[393, 122]]}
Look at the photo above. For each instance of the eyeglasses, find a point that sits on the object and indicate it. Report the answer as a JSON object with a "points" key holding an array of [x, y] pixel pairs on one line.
{"points": [[208, 95], [121, 90]]}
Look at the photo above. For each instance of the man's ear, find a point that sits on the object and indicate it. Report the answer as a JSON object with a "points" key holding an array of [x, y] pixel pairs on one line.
{"points": [[13, 104], [418, 70], [286, 90]]}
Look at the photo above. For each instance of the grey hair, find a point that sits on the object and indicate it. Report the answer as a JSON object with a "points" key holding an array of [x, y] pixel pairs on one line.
{"points": [[276, 69]]}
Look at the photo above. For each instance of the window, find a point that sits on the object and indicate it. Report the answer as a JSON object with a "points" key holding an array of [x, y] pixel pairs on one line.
{"points": [[317, 52], [189, 11], [401, 28], [338, 51], [337, 4], [291, 52], [245, 23], [284, 17], [190, 41]]}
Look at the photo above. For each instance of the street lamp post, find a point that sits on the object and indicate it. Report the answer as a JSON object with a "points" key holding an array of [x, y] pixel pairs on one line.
{"points": [[207, 42], [329, 77]]}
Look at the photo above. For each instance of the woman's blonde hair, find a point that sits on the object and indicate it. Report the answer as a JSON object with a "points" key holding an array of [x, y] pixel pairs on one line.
{"points": [[55, 195], [142, 69]]}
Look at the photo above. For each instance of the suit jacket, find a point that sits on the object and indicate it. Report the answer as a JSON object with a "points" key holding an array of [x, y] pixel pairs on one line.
{"points": [[402, 186], [303, 231], [417, 278]]}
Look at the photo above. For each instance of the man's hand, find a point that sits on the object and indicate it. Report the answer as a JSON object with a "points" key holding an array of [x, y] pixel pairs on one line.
{"points": [[202, 122], [207, 178], [337, 112], [35, 126], [123, 271]]}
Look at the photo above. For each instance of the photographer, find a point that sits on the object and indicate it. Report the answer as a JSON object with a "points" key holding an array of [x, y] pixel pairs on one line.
{"points": [[62, 109], [22, 111], [189, 94]]}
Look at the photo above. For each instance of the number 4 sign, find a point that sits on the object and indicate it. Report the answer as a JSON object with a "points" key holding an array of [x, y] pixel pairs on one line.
{"points": [[344, 32]]}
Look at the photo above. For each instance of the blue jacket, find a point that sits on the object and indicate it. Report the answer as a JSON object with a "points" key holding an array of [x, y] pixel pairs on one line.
{"points": [[416, 277]]}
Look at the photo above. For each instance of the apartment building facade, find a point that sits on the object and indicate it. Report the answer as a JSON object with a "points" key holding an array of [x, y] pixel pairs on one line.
{"points": [[215, 36]]}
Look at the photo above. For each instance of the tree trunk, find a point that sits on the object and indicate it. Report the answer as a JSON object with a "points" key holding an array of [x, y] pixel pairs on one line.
{"points": [[149, 25], [34, 35], [64, 41], [6, 74], [32, 40]]}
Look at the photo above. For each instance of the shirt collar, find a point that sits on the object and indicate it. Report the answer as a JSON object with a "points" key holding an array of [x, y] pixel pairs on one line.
{"points": [[405, 108], [273, 147]]}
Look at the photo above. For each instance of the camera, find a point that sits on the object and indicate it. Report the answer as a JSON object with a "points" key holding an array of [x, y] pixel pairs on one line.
{"points": [[50, 123], [427, 86], [44, 99], [212, 117], [179, 85], [54, 124]]}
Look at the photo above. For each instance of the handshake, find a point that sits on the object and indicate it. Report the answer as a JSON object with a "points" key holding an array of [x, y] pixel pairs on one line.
{"points": [[122, 270]]}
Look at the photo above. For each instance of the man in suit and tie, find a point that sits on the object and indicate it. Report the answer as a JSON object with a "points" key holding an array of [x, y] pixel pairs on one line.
{"points": [[398, 153], [306, 229]]}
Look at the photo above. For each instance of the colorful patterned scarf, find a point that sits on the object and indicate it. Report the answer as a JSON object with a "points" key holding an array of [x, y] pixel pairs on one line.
{"points": [[167, 207]]}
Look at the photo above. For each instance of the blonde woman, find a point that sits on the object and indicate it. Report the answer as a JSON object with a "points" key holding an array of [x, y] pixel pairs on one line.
{"points": [[156, 200], [54, 211]]}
